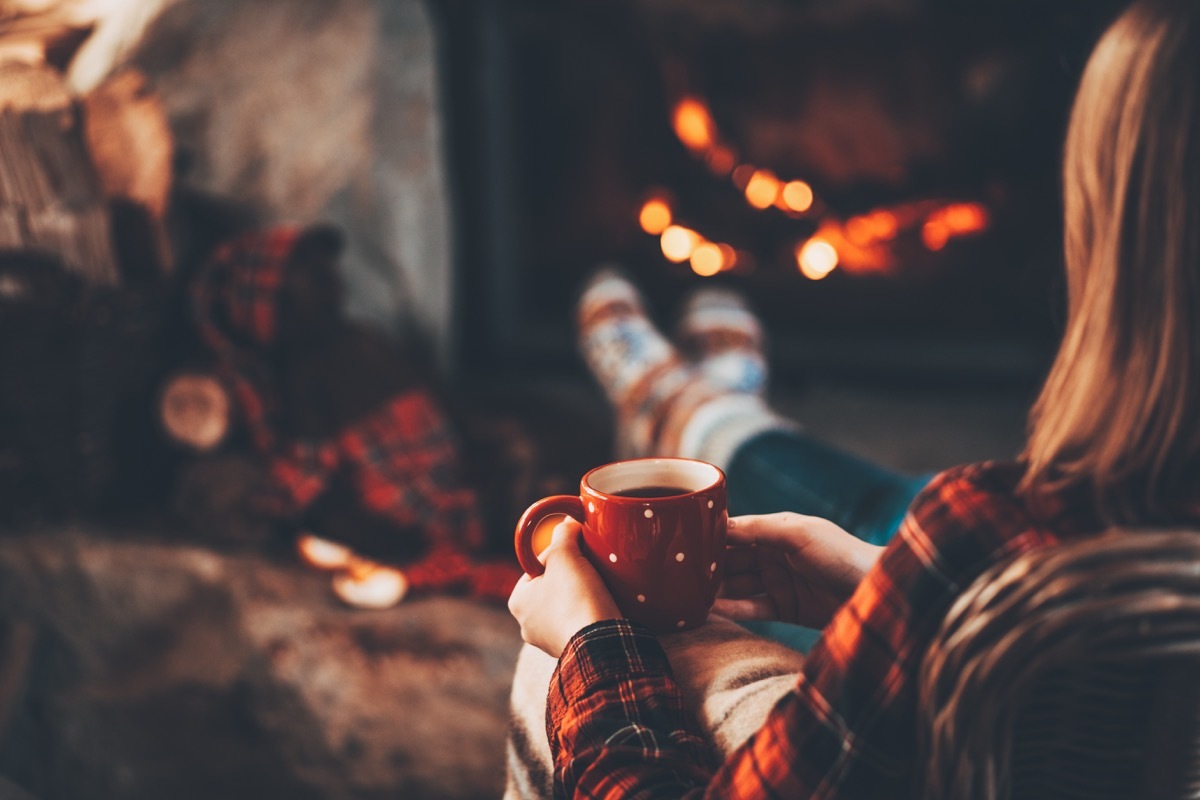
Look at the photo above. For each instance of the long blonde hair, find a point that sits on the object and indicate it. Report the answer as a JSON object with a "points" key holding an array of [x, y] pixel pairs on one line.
{"points": [[1120, 409]]}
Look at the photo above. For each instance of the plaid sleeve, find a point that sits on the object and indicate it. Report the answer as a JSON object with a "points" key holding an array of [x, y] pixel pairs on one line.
{"points": [[848, 727], [616, 720]]}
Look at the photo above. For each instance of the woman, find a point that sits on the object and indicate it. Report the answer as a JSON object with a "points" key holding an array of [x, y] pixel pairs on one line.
{"points": [[1114, 439]]}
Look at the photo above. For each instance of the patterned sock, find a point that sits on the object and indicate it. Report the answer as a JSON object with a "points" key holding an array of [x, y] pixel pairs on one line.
{"points": [[711, 428], [725, 338], [640, 371]]}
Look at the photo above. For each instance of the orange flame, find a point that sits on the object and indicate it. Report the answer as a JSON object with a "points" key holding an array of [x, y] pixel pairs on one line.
{"points": [[762, 189], [721, 160], [951, 221], [856, 255], [655, 216], [707, 259], [816, 258], [742, 174], [694, 124], [678, 242], [935, 235], [797, 196], [729, 256]]}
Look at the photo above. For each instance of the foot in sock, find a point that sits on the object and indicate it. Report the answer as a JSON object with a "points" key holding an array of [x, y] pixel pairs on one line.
{"points": [[640, 371], [664, 406], [724, 410], [725, 339]]}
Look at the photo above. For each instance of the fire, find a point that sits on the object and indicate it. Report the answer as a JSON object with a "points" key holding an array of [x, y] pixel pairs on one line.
{"points": [[707, 259], [762, 189], [867, 230], [741, 176], [797, 196], [721, 160], [935, 235], [694, 124], [655, 216], [865, 243], [817, 258], [729, 256], [368, 585], [678, 243], [953, 220]]}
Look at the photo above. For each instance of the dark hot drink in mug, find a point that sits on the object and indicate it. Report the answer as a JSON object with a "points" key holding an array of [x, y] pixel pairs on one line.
{"points": [[654, 491], [654, 528]]}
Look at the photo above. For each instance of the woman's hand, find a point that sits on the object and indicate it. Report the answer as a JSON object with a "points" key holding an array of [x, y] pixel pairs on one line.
{"points": [[791, 568], [567, 598]]}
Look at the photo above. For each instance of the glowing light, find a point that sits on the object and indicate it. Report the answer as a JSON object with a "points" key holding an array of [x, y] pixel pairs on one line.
{"points": [[367, 585], [707, 259], [883, 224], [324, 554], [742, 174], [798, 196], [935, 235], [678, 243], [721, 160], [817, 258], [963, 218], [859, 231], [762, 189], [655, 216], [693, 124], [729, 256]]}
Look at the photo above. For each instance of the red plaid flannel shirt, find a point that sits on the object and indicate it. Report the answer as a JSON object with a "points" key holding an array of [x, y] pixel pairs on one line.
{"points": [[848, 729]]}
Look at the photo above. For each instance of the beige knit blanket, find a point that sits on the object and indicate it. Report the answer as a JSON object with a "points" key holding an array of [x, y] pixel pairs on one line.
{"points": [[729, 677]]}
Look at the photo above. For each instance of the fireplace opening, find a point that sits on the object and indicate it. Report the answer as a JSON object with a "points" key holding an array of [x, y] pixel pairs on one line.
{"points": [[880, 180]]}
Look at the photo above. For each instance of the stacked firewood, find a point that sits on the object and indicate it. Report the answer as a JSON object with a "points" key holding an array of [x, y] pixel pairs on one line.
{"points": [[84, 182]]}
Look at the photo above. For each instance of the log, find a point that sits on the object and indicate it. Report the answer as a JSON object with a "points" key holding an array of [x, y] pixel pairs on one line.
{"points": [[195, 411], [50, 196]]}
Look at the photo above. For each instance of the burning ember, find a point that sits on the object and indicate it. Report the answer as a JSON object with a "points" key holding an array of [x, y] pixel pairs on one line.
{"points": [[864, 243], [817, 258]]}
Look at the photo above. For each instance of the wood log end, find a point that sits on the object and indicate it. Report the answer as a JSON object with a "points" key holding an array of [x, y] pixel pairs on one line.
{"points": [[195, 411], [32, 87]]}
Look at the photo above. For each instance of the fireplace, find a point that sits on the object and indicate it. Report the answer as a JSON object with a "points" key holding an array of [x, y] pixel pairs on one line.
{"points": [[880, 179]]}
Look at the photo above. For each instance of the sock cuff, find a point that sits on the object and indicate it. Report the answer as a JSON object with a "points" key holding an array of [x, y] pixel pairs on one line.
{"points": [[719, 427]]}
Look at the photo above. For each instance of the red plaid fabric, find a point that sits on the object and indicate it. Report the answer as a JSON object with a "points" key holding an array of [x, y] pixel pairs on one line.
{"points": [[402, 458], [233, 303], [848, 729]]}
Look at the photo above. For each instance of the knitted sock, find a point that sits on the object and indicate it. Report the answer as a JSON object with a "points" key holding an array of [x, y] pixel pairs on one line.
{"points": [[720, 332], [640, 371], [710, 423]]}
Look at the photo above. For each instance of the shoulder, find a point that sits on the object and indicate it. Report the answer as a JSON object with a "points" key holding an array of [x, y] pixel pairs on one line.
{"points": [[980, 493], [967, 518]]}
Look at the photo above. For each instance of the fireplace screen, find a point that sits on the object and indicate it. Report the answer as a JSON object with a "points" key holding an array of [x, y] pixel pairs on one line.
{"points": [[880, 179]]}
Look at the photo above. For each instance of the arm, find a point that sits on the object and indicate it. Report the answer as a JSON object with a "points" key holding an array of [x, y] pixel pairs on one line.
{"points": [[848, 729]]}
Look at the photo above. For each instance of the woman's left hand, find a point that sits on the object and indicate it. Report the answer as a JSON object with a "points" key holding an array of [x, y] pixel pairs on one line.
{"points": [[564, 600]]}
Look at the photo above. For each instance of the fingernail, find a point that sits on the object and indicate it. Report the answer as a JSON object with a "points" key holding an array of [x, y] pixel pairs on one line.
{"points": [[731, 522]]}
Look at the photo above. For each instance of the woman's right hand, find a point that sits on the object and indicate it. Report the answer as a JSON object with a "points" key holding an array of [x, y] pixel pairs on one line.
{"points": [[792, 568]]}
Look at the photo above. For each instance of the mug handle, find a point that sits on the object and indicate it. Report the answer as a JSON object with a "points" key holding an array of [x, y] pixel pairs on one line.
{"points": [[567, 504]]}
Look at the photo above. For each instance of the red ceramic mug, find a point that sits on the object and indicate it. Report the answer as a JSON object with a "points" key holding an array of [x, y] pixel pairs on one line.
{"points": [[654, 528]]}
